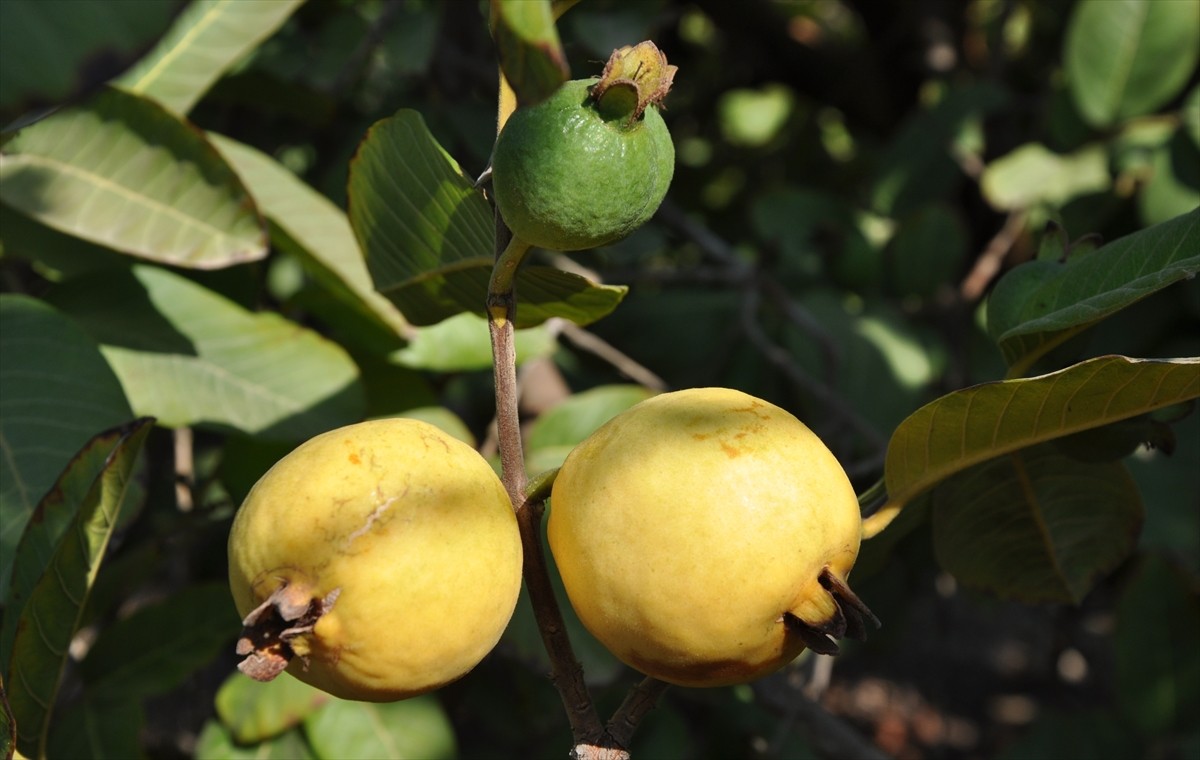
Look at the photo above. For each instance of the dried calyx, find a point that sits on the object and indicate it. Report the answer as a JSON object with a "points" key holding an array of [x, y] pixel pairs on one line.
{"points": [[849, 619], [270, 630], [635, 77]]}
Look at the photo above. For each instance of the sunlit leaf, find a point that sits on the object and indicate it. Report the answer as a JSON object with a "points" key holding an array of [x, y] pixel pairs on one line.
{"points": [[60, 50], [216, 743], [206, 40], [1066, 298], [307, 224], [1128, 57], [51, 616], [970, 426], [428, 235], [56, 392], [463, 342], [1035, 525], [188, 356], [122, 172], [530, 53], [559, 429], [1031, 175], [415, 729], [255, 711]]}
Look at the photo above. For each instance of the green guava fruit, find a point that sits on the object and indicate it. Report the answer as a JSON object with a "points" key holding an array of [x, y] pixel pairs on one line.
{"points": [[593, 162], [377, 561], [705, 536]]}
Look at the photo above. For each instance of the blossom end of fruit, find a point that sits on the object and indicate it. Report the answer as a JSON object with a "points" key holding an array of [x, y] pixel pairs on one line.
{"points": [[269, 632], [635, 77]]}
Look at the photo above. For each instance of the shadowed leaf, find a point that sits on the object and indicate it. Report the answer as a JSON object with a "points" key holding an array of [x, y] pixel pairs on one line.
{"points": [[530, 53], [52, 614]]}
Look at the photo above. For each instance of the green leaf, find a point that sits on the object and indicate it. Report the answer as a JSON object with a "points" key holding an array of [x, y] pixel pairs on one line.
{"points": [[463, 342], [51, 617], [970, 426], [188, 356], [1174, 185], [1036, 525], [98, 728], [61, 50], [206, 39], [428, 235], [255, 711], [927, 251], [216, 743], [1032, 176], [559, 429], [413, 728], [8, 729], [64, 255], [1191, 115], [1091, 287], [56, 392], [142, 182], [1128, 57], [158, 647], [46, 527], [1157, 662], [308, 225], [530, 53]]}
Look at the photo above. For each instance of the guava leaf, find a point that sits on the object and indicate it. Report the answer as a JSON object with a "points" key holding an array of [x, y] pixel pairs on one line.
{"points": [[8, 729], [63, 254], [254, 711], [98, 728], [51, 616], [1157, 661], [122, 172], [972, 425], [1127, 58], [308, 225], [56, 391], [428, 235], [462, 343], [562, 427], [206, 39], [158, 647], [216, 743], [1088, 288], [46, 527], [62, 50], [1035, 525], [531, 56], [1032, 175], [413, 729], [188, 356]]}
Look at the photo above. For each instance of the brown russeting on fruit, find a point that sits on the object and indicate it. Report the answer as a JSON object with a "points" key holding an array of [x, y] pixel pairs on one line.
{"points": [[269, 628]]}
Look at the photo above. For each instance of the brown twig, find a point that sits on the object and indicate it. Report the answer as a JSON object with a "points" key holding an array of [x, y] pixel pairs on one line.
{"points": [[992, 258], [601, 348]]}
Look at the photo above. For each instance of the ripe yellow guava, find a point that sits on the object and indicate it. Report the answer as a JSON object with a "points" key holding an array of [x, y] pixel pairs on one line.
{"points": [[704, 537], [377, 561]]}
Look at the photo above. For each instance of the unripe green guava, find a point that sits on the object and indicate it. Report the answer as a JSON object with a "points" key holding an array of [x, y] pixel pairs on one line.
{"points": [[376, 562], [704, 537], [590, 164]]}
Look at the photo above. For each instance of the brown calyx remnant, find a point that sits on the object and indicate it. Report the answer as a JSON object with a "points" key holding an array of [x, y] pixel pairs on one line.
{"points": [[849, 619], [268, 630], [634, 77]]}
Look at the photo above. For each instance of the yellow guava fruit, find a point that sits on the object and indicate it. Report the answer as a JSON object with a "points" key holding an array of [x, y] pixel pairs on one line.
{"points": [[704, 537], [377, 561]]}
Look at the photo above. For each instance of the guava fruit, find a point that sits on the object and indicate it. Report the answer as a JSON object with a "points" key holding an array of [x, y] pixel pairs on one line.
{"points": [[704, 537], [592, 163], [377, 561]]}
